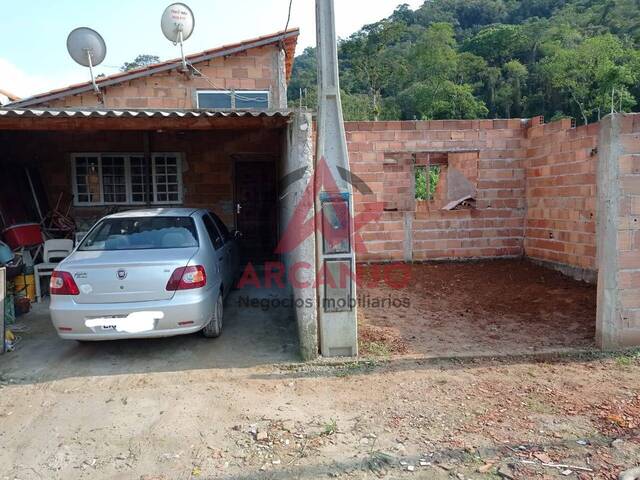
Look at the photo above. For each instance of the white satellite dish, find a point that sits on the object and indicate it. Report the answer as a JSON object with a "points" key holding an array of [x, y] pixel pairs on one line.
{"points": [[87, 48], [177, 25]]}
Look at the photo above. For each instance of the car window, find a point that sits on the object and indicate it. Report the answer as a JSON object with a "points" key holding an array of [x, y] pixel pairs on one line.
{"points": [[214, 235], [144, 233], [221, 227]]}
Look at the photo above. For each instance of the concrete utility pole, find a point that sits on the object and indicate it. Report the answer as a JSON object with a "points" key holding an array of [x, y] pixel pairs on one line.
{"points": [[337, 308]]}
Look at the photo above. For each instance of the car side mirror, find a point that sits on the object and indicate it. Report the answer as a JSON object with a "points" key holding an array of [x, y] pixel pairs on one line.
{"points": [[237, 235]]}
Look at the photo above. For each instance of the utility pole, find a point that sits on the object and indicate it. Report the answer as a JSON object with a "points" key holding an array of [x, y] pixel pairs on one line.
{"points": [[337, 306]]}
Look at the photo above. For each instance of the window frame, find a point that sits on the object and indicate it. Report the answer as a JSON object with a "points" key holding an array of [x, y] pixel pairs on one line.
{"points": [[127, 173], [232, 93], [217, 222], [206, 216]]}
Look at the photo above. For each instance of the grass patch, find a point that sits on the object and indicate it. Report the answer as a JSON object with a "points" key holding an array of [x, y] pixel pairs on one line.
{"points": [[330, 428], [375, 349], [627, 360], [354, 368]]}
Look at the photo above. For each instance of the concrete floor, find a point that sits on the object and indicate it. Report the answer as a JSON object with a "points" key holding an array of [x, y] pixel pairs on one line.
{"points": [[251, 337]]}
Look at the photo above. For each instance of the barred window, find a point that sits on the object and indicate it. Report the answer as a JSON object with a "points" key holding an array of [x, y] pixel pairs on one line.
{"points": [[122, 179]]}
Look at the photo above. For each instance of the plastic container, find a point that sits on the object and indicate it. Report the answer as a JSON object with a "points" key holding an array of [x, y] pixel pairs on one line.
{"points": [[6, 254], [25, 286], [23, 235]]}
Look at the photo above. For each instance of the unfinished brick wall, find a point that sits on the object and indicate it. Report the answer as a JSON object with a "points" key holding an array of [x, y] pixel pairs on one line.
{"points": [[254, 69], [629, 225], [618, 317], [382, 155], [561, 196]]}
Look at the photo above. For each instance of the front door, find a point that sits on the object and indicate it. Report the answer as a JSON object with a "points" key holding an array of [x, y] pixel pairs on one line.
{"points": [[256, 209]]}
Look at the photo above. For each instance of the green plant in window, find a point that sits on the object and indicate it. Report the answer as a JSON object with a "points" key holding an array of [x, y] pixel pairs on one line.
{"points": [[434, 178], [421, 184], [427, 182]]}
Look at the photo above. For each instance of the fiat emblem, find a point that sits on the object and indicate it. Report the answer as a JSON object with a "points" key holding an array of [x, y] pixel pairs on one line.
{"points": [[122, 274]]}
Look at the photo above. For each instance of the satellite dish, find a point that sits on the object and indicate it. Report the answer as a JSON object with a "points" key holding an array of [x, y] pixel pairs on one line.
{"points": [[177, 24], [87, 48]]}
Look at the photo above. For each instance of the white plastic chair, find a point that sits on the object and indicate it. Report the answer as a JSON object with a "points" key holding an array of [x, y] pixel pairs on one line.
{"points": [[54, 252]]}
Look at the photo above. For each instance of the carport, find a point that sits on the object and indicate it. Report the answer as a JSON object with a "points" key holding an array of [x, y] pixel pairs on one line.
{"points": [[93, 162]]}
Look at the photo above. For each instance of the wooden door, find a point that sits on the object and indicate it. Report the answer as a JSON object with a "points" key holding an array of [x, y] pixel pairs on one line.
{"points": [[256, 209]]}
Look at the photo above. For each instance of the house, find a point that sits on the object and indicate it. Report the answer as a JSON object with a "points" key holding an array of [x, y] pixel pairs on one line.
{"points": [[220, 136], [210, 137]]}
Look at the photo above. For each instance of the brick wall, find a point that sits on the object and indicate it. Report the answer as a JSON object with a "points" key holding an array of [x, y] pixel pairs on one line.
{"points": [[253, 69], [618, 316], [561, 195], [382, 154], [629, 224], [207, 160]]}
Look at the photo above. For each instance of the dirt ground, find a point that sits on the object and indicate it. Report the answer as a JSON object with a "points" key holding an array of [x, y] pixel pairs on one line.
{"points": [[431, 419], [479, 308], [242, 407]]}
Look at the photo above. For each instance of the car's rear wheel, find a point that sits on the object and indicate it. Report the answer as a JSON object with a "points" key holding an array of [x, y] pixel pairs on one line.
{"points": [[214, 327]]}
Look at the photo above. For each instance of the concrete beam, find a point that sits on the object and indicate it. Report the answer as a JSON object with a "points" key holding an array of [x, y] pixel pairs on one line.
{"points": [[338, 326]]}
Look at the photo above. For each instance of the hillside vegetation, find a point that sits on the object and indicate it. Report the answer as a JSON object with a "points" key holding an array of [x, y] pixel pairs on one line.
{"points": [[488, 58]]}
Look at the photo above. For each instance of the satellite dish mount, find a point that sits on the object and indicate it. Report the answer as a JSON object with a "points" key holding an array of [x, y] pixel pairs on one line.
{"points": [[177, 25], [87, 48]]}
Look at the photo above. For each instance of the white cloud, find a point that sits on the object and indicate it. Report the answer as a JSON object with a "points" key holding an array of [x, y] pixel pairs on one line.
{"points": [[23, 84]]}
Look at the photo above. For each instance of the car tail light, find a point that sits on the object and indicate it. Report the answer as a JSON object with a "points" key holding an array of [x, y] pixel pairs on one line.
{"points": [[187, 278], [62, 283]]}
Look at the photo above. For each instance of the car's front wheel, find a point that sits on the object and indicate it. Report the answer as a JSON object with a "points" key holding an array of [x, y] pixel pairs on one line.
{"points": [[214, 327]]}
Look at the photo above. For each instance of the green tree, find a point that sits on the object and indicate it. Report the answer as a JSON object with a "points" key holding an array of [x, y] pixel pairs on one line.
{"points": [[590, 73], [371, 65], [141, 60], [442, 100]]}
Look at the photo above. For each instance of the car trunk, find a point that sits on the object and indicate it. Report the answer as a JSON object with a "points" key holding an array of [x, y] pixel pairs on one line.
{"points": [[125, 276]]}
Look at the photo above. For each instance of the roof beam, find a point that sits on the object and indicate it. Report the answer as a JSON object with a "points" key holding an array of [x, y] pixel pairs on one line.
{"points": [[12, 123]]}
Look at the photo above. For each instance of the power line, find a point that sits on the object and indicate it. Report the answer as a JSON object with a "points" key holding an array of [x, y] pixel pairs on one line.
{"points": [[288, 16]]}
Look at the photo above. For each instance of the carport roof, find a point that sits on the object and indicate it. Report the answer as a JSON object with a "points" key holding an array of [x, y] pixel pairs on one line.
{"points": [[138, 119]]}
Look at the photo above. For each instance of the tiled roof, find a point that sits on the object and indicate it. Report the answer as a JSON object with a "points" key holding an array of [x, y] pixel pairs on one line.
{"points": [[288, 38]]}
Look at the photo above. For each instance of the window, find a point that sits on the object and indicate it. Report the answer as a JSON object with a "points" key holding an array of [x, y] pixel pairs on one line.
{"points": [[427, 179], [87, 179], [145, 233], [252, 100], [214, 235], [166, 181], [121, 179], [224, 231], [215, 100], [236, 99]]}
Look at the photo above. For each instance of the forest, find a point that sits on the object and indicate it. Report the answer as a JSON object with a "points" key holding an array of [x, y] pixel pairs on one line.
{"points": [[463, 59]]}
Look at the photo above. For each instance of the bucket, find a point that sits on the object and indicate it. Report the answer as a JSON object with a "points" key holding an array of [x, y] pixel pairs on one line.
{"points": [[23, 235], [25, 286]]}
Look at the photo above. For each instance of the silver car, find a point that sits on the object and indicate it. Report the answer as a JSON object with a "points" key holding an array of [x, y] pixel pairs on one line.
{"points": [[144, 274]]}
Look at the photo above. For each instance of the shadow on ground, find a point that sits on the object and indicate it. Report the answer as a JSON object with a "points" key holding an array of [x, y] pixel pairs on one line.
{"points": [[251, 337]]}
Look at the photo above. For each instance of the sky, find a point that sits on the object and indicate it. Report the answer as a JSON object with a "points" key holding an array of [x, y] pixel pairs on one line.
{"points": [[33, 54]]}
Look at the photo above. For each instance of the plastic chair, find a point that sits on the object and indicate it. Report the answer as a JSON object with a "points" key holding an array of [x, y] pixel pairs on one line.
{"points": [[54, 252]]}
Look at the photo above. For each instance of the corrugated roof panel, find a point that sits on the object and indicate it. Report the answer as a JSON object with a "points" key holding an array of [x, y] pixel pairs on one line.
{"points": [[165, 113]]}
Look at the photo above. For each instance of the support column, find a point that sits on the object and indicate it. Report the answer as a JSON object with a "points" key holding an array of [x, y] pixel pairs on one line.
{"points": [[300, 260], [618, 183], [337, 309]]}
